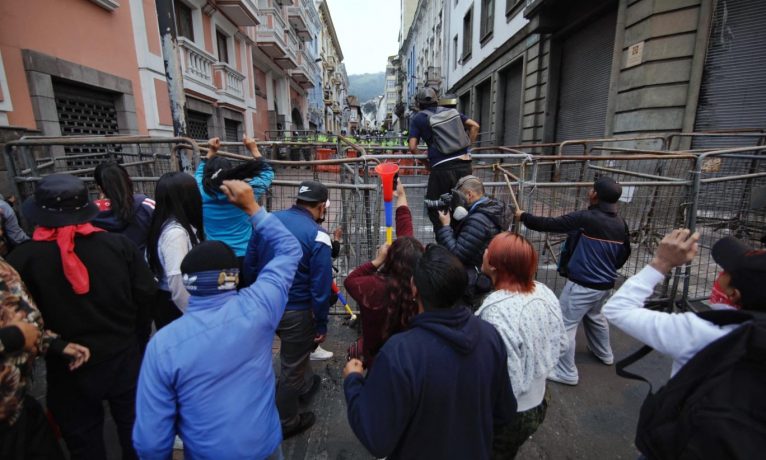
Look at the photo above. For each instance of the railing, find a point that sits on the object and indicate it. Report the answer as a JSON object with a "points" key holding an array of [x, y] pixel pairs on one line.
{"points": [[298, 11], [272, 27], [197, 63], [231, 81]]}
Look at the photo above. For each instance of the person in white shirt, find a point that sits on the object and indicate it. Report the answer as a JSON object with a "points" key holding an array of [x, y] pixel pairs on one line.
{"points": [[682, 335], [528, 317]]}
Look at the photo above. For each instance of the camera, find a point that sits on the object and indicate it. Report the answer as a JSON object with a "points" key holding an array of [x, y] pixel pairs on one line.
{"points": [[443, 203]]}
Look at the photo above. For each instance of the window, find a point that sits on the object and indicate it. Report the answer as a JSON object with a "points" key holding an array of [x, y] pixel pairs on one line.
{"points": [[391, 84], [454, 53], [223, 46], [487, 20], [510, 6], [467, 34], [183, 20]]}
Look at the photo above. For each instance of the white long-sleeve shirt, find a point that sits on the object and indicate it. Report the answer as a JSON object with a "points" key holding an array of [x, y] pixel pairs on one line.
{"points": [[678, 335]]}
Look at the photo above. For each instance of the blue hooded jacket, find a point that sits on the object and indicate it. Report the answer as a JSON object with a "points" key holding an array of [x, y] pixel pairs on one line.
{"points": [[437, 390], [208, 376]]}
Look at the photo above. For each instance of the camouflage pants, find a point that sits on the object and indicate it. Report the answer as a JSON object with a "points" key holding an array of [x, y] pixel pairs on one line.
{"points": [[509, 439]]}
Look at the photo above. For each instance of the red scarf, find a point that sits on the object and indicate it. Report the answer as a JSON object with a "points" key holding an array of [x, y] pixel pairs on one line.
{"points": [[74, 270]]}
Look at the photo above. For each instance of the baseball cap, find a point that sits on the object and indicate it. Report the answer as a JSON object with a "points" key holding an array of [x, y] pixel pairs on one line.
{"points": [[427, 95], [312, 191], [607, 189], [747, 268]]}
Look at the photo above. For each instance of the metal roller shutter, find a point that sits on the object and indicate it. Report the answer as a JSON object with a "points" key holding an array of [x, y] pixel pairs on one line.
{"points": [[586, 66], [733, 91], [511, 87]]}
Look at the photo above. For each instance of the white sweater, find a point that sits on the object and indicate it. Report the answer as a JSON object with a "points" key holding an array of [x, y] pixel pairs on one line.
{"points": [[678, 335], [533, 332]]}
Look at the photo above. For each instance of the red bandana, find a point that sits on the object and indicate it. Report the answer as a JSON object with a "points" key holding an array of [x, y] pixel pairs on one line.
{"points": [[74, 270]]}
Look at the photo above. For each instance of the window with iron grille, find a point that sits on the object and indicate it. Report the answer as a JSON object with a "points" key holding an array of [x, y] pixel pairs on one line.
{"points": [[231, 129], [183, 14], [196, 125], [84, 111]]}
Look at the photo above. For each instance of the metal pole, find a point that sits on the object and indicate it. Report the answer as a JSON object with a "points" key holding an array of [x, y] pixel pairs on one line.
{"points": [[173, 75]]}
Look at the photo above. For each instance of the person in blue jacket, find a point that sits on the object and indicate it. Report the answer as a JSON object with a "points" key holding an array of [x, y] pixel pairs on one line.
{"points": [[439, 389], [304, 324], [223, 221], [208, 376]]}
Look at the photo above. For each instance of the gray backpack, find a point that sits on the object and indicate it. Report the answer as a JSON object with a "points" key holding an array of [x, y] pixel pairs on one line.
{"points": [[449, 134]]}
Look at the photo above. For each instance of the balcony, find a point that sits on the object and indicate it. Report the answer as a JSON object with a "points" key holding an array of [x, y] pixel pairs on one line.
{"points": [[290, 58], [270, 34], [242, 12], [197, 63], [283, 2], [300, 73], [329, 63], [228, 81], [434, 76], [297, 17]]}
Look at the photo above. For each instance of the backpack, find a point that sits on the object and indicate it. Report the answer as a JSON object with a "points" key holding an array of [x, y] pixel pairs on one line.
{"points": [[448, 132], [714, 407]]}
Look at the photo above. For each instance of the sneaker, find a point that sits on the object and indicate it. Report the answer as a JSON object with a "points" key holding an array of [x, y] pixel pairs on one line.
{"points": [[553, 377], [316, 382], [320, 354], [607, 362], [306, 421]]}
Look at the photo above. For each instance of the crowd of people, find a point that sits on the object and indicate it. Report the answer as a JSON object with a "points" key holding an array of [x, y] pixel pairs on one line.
{"points": [[167, 309]]}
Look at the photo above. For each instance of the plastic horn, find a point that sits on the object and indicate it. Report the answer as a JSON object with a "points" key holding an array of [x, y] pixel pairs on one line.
{"points": [[387, 171], [336, 290]]}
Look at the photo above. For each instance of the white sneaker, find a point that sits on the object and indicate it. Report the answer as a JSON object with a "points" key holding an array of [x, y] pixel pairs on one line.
{"points": [[320, 354]]}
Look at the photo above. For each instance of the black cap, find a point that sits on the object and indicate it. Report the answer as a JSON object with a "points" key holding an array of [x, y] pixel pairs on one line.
{"points": [[607, 189], [427, 95], [60, 200], [312, 191], [747, 268], [209, 255]]}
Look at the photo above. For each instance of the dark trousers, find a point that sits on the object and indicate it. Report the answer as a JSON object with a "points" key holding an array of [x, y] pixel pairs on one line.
{"points": [[165, 310], [442, 179], [510, 438], [31, 437], [296, 332], [76, 402]]}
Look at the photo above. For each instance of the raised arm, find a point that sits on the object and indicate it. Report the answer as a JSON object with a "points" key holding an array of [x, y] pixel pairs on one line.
{"points": [[473, 129], [561, 224]]}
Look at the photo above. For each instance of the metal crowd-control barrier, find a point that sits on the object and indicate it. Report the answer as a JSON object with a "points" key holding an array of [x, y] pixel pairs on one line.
{"points": [[709, 191]]}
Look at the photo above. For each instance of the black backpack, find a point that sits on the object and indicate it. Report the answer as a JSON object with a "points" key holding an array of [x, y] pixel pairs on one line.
{"points": [[715, 406]]}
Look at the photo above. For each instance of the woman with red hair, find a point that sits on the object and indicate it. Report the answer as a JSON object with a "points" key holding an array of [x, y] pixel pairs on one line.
{"points": [[528, 317]]}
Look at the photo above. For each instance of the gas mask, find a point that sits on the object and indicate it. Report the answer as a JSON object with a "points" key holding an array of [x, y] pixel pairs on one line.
{"points": [[458, 205]]}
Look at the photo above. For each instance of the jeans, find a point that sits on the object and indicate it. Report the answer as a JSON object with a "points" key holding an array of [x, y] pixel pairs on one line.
{"points": [[296, 332], [76, 401], [579, 303]]}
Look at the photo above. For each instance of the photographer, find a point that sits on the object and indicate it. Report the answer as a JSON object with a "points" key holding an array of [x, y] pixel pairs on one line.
{"points": [[479, 218]]}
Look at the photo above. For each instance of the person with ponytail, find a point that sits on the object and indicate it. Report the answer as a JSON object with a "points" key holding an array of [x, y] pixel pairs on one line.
{"points": [[121, 210], [224, 221], [528, 317], [176, 228], [381, 287]]}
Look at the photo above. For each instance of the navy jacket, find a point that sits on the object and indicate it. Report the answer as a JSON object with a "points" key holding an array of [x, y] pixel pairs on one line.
{"points": [[472, 236], [603, 245], [137, 229], [312, 285], [437, 390]]}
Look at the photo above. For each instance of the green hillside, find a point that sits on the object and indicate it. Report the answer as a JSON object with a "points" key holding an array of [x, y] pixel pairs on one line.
{"points": [[367, 85]]}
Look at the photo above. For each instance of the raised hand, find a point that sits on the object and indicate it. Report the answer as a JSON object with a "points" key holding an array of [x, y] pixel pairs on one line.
{"points": [[677, 248], [214, 145], [251, 146]]}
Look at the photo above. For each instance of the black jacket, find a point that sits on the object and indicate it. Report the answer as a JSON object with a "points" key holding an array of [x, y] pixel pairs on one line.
{"points": [[121, 291], [437, 390], [602, 248], [472, 236]]}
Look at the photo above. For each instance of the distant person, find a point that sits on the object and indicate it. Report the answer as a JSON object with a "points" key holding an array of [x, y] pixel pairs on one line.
{"points": [[176, 228], [208, 376], [448, 156], [439, 389], [448, 101], [12, 233], [224, 221], [597, 245], [120, 210], [304, 323], [93, 288], [528, 317], [479, 218]]}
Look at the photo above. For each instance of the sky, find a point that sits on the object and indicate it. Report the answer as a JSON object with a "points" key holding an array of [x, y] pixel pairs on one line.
{"points": [[368, 32]]}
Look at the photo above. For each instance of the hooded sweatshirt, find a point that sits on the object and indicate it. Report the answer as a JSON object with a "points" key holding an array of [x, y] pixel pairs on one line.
{"points": [[437, 390], [137, 229]]}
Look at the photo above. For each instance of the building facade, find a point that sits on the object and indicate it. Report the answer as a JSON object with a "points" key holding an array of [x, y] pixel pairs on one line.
{"points": [[552, 70], [334, 78], [248, 67]]}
